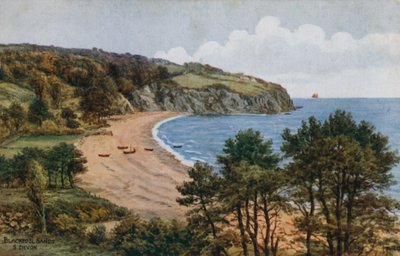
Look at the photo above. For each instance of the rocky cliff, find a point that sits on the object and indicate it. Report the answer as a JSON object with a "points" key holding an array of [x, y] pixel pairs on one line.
{"points": [[209, 100]]}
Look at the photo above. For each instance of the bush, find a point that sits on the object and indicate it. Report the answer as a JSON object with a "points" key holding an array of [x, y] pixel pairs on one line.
{"points": [[97, 235], [65, 224], [68, 113], [73, 124], [155, 237]]}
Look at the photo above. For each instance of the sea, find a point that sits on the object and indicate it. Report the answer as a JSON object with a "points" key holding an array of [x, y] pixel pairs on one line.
{"points": [[194, 138]]}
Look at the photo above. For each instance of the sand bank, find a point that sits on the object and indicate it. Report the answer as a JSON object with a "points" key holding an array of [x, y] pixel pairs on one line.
{"points": [[144, 181]]}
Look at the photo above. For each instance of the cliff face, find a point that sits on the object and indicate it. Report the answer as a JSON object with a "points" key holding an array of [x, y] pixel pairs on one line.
{"points": [[209, 100]]}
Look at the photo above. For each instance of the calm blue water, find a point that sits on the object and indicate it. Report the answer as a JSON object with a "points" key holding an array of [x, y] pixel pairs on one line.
{"points": [[203, 137]]}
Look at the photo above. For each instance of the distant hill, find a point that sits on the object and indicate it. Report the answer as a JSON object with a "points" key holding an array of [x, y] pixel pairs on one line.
{"points": [[135, 82]]}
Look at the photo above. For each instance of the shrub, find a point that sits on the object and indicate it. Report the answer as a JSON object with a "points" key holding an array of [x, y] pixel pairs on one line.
{"points": [[73, 124], [64, 223], [68, 113], [97, 235]]}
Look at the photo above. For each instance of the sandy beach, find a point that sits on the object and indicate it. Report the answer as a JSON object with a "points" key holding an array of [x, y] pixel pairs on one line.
{"points": [[145, 181]]}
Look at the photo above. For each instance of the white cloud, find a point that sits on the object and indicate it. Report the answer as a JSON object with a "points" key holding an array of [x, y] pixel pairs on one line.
{"points": [[306, 60], [177, 55]]}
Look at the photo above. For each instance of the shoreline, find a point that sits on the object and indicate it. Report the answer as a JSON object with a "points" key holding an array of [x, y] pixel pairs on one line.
{"points": [[145, 181], [154, 132]]}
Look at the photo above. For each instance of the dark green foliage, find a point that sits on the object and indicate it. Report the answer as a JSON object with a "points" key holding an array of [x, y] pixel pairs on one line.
{"points": [[38, 111], [5, 170], [162, 73], [250, 191], [64, 161], [72, 123], [248, 166], [339, 171], [2, 74], [248, 146], [68, 113], [201, 194], [135, 236], [21, 161]]}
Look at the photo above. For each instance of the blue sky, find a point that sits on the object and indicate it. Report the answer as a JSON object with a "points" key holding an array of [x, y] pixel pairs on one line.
{"points": [[337, 48]]}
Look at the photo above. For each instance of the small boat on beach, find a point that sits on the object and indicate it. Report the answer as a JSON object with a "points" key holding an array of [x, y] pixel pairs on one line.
{"points": [[130, 151], [104, 155], [315, 95], [149, 149], [122, 147]]}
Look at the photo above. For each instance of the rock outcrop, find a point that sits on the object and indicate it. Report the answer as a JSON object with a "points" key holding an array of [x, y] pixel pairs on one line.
{"points": [[209, 100]]}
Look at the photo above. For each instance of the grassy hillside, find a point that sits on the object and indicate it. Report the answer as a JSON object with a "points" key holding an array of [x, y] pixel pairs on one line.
{"points": [[10, 92]]}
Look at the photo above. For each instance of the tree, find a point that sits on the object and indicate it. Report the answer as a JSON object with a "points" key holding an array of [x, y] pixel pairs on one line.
{"points": [[161, 73], [38, 111], [37, 185], [68, 114], [39, 83], [125, 86], [264, 192], [340, 169], [55, 93], [64, 160], [96, 101], [245, 157], [21, 161], [200, 194], [5, 170], [17, 115], [303, 180]]}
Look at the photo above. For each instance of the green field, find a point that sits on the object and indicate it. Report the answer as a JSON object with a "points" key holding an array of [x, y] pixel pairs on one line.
{"points": [[244, 85], [43, 141]]}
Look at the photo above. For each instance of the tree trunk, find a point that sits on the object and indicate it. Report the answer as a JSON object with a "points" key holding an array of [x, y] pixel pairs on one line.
{"points": [[43, 220], [255, 222], [309, 221], [326, 213], [71, 179], [62, 176], [268, 224], [242, 231], [349, 217], [253, 234], [218, 249]]}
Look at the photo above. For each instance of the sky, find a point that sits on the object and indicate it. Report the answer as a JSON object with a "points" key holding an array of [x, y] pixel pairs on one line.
{"points": [[336, 48]]}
